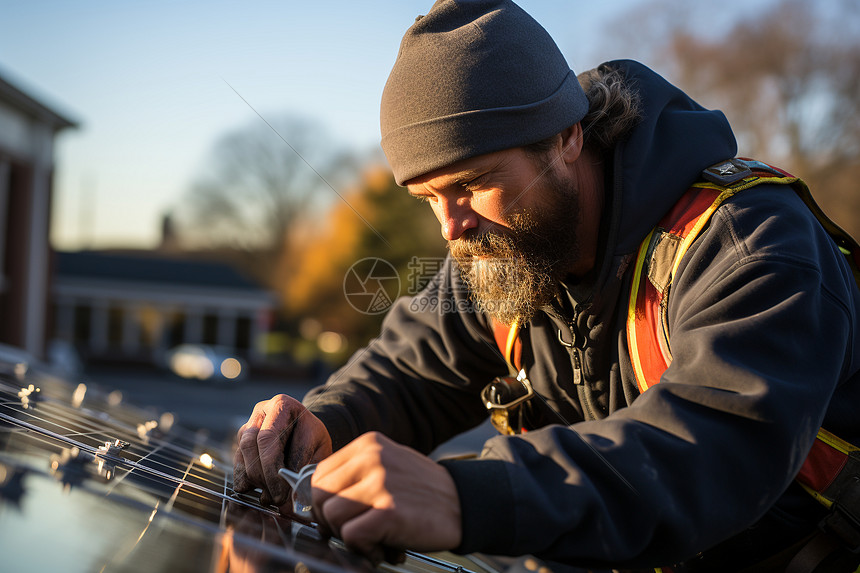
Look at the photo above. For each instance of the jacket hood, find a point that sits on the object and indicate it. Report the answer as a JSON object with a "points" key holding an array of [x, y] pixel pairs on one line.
{"points": [[666, 152]]}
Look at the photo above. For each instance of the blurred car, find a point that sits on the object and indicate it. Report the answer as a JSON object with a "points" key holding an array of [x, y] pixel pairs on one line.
{"points": [[207, 363], [64, 358]]}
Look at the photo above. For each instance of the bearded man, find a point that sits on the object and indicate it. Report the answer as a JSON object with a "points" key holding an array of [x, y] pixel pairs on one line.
{"points": [[581, 260]]}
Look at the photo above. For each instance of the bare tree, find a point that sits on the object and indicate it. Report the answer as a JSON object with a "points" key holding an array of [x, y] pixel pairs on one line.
{"points": [[790, 78], [258, 181], [787, 77]]}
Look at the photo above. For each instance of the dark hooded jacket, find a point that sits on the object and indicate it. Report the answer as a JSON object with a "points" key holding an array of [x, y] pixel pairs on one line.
{"points": [[763, 317]]}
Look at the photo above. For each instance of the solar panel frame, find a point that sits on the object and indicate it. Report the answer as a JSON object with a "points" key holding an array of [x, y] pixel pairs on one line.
{"points": [[106, 487]]}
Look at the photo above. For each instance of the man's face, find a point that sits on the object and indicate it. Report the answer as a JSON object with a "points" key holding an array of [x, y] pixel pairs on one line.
{"points": [[510, 220]]}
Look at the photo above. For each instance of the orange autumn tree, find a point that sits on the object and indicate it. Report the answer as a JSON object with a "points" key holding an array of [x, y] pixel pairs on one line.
{"points": [[376, 223]]}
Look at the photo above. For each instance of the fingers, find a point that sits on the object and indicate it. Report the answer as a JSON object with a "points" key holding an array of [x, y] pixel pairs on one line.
{"points": [[276, 425], [245, 469], [363, 533], [358, 500], [336, 510], [260, 444], [376, 494], [241, 483], [275, 432], [333, 478]]}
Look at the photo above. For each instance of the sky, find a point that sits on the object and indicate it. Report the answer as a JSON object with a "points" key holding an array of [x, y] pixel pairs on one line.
{"points": [[154, 84]]}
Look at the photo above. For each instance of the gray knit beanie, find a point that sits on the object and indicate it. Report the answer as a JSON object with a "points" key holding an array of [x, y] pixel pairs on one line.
{"points": [[473, 77]]}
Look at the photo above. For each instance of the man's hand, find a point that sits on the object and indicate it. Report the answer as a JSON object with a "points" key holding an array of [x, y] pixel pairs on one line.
{"points": [[376, 494], [277, 426]]}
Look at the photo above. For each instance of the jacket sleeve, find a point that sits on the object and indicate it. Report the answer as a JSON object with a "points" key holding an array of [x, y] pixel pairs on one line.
{"points": [[419, 381], [762, 318]]}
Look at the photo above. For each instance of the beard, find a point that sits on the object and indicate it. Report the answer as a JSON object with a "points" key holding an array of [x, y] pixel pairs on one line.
{"points": [[512, 272]]}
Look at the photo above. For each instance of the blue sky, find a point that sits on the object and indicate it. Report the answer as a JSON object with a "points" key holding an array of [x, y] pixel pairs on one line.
{"points": [[146, 81]]}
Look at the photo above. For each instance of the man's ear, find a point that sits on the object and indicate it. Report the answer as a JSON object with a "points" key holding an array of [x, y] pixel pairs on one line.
{"points": [[571, 143]]}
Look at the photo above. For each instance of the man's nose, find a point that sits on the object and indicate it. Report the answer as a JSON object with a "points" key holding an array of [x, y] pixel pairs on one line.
{"points": [[456, 217]]}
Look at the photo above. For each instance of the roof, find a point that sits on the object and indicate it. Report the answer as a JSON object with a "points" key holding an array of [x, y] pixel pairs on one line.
{"points": [[27, 104], [151, 269]]}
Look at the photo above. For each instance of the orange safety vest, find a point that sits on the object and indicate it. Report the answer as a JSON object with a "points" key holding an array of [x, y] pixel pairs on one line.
{"points": [[832, 463]]}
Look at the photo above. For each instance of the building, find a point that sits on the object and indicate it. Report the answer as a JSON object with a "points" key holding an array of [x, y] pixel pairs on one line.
{"points": [[27, 131], [134, 307]]}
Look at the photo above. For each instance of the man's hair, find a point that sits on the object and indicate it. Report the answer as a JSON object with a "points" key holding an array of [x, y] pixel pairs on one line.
{"points": [[614, 108]]}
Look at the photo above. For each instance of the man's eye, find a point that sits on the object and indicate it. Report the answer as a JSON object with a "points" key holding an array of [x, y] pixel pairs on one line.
{"points": [[474, 184]]}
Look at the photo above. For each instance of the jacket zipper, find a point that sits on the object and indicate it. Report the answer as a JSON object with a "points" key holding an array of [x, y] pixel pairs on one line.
{"points": [[573, 345], [577, 367]]}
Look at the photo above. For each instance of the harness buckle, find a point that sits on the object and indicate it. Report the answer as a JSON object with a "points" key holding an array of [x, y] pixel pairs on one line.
{"points": [[504, 397], [727, 172], [843, 521]]}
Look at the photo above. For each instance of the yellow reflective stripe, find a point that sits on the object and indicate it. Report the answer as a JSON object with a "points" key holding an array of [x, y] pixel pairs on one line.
{"points": [[700, 224], [752, 182], [818, 497], [725, 193], [836, 442], [509, 345], [631, 314]]}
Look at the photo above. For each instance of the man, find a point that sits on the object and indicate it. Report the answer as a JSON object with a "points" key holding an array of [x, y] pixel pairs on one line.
{"points": [[545, 192]]}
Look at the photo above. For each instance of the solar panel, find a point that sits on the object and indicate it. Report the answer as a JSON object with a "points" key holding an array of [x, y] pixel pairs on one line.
{"points": [[88, 483]]}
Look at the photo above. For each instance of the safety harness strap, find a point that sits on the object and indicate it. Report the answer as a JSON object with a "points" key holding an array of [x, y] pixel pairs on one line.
{"points": [[830, 472], [509, 344], [656, 264]]}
